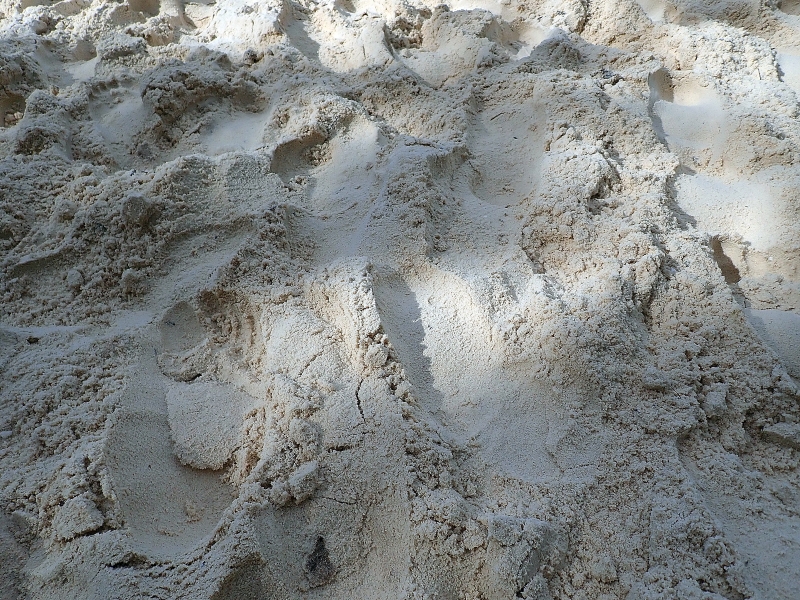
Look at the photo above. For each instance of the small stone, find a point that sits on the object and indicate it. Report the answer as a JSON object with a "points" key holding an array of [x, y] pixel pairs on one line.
{"points": [[74, 280], [39, 26], [5, 434], [251, 56]]}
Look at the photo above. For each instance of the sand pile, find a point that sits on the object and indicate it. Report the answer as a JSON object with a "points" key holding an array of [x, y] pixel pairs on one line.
{"points": [[387, 299]]}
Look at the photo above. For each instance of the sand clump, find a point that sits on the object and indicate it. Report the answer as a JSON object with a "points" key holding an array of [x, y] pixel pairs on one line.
{"points": [[364, 299]]}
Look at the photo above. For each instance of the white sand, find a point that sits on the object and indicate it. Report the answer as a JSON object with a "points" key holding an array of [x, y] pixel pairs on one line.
{"points": [[383, 299]]}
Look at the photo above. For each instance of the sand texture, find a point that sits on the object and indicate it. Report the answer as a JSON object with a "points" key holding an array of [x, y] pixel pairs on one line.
{"points": [[380, 299]]}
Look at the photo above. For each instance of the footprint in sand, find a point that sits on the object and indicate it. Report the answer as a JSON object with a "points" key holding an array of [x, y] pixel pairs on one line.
{"points": [[790, 7], [168, 443], [688, 117], [167, 507]]}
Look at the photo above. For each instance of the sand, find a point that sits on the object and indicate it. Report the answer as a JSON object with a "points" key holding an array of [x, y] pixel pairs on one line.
{"points": [[386, 299]]}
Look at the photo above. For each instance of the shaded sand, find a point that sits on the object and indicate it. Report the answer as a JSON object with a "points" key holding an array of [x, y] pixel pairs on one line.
{"points": [[362, 299]]}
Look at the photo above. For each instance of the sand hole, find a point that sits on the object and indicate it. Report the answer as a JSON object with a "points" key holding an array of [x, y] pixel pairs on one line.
{"points": [[297, 157], [11, 107], [523, 38], [661, 86], [654, 9], [318, 565], [680, 89], [790, 7], [347, 158], [180, 328], [150, 7], [28, 3], [789, 63], [84, 50], [780, 330], [688, 117], [729, 270], [741, 210], [246, 581], [12, 554], [345, 5]]}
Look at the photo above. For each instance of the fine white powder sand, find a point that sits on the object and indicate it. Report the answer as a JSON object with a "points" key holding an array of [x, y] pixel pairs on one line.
{"points": [[383, 299]]}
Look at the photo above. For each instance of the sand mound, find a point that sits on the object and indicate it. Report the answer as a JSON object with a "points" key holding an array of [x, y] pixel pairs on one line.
{"points": [[356, 299]]}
